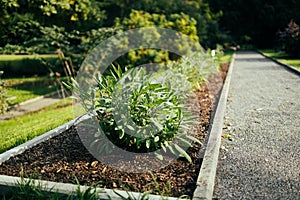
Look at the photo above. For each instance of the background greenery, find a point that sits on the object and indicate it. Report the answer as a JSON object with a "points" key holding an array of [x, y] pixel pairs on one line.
{"points": [[34, 26], [29, 65]]}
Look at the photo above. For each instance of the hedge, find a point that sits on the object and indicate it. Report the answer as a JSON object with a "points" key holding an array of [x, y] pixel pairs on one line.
{"points": [[29, 65]]}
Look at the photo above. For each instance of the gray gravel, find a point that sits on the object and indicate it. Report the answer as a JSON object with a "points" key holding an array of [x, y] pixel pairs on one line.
{"points": [[263, 117]]}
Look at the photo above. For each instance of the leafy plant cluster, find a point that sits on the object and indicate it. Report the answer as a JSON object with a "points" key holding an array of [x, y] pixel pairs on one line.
{"points": [[142, 112], [207, 26], [196, 67], [147, 119]]}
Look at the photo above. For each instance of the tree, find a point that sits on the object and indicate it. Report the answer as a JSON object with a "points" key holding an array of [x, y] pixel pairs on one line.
{"points": [[23, 19], [207, 21]]}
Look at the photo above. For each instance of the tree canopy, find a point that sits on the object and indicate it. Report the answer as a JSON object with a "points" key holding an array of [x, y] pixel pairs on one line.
{"points": [[24, 23]]}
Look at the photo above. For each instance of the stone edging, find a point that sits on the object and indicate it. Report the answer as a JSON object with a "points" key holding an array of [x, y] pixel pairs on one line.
{"points": [[67, 188], [286, 66], [206, 177]]}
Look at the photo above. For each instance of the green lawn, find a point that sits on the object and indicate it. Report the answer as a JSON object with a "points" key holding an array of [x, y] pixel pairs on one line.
{"points": [[22, 89], [283, 57], [21, 129], [20, 57]]}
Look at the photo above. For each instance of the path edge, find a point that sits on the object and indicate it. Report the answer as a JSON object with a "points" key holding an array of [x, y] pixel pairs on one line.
{"points": [[206, 178], [286, 66]]}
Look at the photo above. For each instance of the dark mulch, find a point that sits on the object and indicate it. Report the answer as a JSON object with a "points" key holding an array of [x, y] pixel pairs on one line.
{"points": [[64, 157]]}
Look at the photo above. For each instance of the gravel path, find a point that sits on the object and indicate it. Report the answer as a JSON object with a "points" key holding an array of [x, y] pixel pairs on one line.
{"points": [[263, 117]]}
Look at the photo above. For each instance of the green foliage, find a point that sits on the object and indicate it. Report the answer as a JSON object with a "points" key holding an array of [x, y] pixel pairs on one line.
{"points": [[24, 20], [12, 49], [138, 19], [180, 22], [23, 65], [197, 67], [5, 7], [53, 12], [21, 28], [3, 96], [94, 37], [207, 27], [31, 189], [147, 119], [43, 26]]}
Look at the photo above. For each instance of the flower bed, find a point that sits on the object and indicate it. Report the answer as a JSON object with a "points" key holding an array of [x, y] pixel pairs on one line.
{"points": [[64, 158]]}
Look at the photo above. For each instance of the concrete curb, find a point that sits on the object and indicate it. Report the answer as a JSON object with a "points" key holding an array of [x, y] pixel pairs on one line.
{"points": [[66, 188], [206, 177], [286, 66]]}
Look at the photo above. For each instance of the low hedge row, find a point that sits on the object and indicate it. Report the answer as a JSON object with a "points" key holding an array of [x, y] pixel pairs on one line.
{"points": [[29, 65]]}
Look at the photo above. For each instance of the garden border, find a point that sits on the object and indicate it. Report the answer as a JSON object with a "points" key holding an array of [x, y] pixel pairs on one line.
{"points": [[66, 188], [206, 176], [286, 66], [7, 182]]}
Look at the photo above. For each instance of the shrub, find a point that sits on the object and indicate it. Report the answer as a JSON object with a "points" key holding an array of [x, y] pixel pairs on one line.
{"points": [[196, 67], [23, 65], [12, 49], [142, 115], [139, 19], [142, 112]]}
